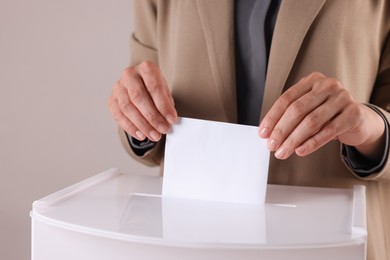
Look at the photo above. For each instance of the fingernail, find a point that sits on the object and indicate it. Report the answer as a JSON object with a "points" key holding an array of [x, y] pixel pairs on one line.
{"points": [[264, 132], [140, 135], [163, 128], [280, 153], [272, 145], [171, 119], [154, 135]]}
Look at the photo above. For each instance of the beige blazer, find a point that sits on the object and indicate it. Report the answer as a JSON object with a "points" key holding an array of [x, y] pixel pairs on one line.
{"points": [[192, 41]]}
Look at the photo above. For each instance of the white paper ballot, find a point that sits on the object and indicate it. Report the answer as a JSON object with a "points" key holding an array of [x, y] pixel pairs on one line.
{"points": [[215, 161]]}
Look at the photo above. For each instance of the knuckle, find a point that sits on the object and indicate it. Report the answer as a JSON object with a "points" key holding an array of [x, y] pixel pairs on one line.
{"points": [[344, 99], [136, 95], [124, 105], [284, 100], [269, 121], [316, 74], [153, 85], [278, 134], [312, 121], [326, 134], [164, 108], [290, 144], [116, 87], [147, 66], [151, 117], [334, 84], [330, 131], [127, 72], [297, 108], [322, 137], [345, 95]]}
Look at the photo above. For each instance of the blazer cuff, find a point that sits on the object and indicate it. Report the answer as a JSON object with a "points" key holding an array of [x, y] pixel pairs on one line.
{"points": [[358, 163], [140, 147], [152, 157]]}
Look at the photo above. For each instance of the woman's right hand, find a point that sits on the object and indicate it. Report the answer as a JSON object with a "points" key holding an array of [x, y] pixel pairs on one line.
{"points": [[141, 102]]}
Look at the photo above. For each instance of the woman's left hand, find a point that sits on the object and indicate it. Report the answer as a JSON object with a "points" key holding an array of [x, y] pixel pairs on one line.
{"points": [[315, 111]]}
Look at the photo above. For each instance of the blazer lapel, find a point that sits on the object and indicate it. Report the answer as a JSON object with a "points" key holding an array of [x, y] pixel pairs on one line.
{"points": [[292, 23], [218, 25]]}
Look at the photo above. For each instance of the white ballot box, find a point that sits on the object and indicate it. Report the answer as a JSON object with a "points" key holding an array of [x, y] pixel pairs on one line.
{"points": [[118, 216]]}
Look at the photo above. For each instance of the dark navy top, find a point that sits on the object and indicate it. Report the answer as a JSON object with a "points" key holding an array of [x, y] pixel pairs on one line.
{"points": [[254, 22]]}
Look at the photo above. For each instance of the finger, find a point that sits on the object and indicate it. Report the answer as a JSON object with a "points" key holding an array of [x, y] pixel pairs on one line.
{"points": [[158, 90], [122, 120], [139, 98], [308, 127], [325, 135], [331, 130], [134, 115], [336, 104], [294, 115], [282, 103], [342, 107]]}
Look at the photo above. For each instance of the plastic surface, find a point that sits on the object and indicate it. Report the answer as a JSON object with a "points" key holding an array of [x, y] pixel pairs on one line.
{"points": [[123, 215]]}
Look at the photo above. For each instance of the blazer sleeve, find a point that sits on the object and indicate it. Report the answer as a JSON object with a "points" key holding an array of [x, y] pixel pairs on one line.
{"points": [[143, 40], [380, 98], [143, 47]]}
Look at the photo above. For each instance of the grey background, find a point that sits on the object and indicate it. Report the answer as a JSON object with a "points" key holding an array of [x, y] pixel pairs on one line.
{"points": [[58, 61]]}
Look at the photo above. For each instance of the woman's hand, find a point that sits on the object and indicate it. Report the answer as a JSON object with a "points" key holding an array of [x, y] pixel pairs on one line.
{"points": [[315, 111], [141, 102]]}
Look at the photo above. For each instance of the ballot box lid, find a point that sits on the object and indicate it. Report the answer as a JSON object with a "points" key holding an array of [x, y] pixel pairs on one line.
{"points": [[130, 207]]}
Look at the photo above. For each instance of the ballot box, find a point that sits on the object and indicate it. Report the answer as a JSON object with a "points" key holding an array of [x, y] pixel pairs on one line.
{"points": [[116, 215]]}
